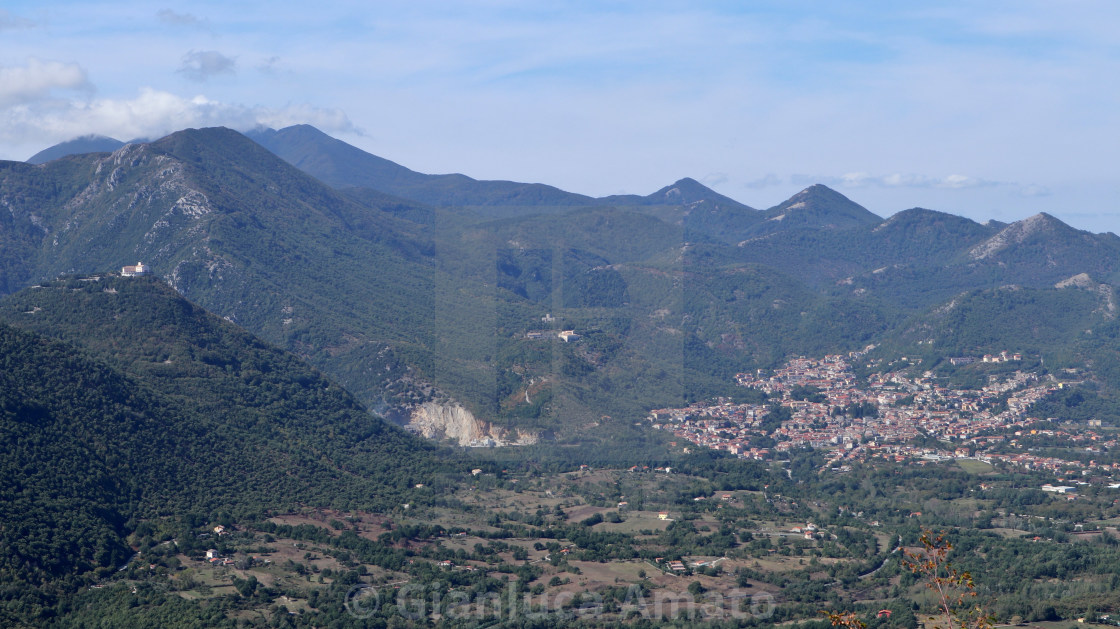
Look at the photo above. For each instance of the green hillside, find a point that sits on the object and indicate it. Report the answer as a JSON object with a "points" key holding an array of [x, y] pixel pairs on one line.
{"points": [[83, 444], [1068, 326], [147, 406]]}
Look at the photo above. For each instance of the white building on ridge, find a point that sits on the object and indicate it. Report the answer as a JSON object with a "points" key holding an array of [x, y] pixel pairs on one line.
{"points": [[134, 271]]}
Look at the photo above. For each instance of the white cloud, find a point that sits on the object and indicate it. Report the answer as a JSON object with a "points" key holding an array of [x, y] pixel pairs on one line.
{"points": [[766, 181], [855, 180], [328, 120], [714, 179], [963, 181], [271, 66], [38, 79], [1033, 190], [952, 182], [169, 16], [898, 180], [200, 65], [152, 114]]}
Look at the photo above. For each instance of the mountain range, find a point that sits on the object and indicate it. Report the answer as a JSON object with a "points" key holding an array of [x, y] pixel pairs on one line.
{"points": [[300, 283], [441, 292]]}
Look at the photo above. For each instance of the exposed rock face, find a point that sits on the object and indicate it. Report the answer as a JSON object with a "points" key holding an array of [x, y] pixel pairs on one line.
{"points": [[452, 421], [1081, 280], [1018, 233], [1107, 293]]}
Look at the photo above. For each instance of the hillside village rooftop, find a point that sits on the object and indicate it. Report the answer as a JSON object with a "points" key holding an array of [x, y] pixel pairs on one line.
{"points": [[906, 408]]}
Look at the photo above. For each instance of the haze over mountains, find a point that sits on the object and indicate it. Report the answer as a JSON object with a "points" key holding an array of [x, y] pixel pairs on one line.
{"points": [[424, 294], [77, 146]]}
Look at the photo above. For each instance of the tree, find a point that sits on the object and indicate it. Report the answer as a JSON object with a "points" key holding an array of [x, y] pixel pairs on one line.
{"points": [[953, 588], [245, 587]]}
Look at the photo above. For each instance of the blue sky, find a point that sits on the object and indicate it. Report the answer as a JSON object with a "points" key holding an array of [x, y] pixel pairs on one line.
{"points": [[994, 110]]}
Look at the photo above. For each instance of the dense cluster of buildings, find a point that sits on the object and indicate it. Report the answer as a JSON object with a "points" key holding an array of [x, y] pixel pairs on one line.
{"points": [[881, 417]]}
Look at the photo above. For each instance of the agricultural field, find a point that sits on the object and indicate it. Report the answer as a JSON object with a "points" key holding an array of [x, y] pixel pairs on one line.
{"points": [[609, 545]]}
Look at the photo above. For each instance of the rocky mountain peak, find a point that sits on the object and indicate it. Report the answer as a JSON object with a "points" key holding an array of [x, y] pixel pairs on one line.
{"points": [[1032, 227]]}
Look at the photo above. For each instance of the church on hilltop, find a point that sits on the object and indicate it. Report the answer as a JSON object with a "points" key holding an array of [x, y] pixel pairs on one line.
{"points": [[135, 271]]}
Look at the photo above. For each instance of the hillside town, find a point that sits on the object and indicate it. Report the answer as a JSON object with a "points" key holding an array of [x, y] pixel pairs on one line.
{"points": [[888, 416]]}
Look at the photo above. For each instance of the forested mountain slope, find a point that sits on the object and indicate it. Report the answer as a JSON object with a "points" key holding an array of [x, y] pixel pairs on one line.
{"points": [[121, 400], [240, 232]]}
